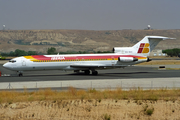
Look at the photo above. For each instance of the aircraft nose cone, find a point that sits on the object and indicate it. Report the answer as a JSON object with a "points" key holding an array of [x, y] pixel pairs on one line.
{"points": [[6, 65]]}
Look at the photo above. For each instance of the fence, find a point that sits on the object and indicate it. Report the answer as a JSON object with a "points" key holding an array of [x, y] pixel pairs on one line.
{"points": [[97, 84]]}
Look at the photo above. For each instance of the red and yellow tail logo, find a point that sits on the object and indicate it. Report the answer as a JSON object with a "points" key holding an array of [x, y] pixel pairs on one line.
{"points": [[144, 48]]}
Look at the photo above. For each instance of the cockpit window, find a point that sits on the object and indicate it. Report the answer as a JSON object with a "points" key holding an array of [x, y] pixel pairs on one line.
{"points": [[12, 61]]}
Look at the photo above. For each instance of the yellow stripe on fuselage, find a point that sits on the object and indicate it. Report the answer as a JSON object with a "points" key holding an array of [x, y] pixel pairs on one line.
{"points": [[142, 58], [30, 58]]}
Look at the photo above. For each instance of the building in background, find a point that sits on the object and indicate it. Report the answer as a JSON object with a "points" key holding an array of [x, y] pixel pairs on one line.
{"points": [[157, 53]]}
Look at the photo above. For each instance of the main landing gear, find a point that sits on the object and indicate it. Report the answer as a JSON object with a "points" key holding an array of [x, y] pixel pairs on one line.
{"points": [[87, 72], [94, 73]]}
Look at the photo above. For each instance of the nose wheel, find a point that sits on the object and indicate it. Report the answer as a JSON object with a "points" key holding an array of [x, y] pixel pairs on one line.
{"points": [[20, 73]]}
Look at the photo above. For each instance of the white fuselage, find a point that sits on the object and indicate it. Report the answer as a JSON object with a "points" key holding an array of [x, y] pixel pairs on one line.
{"points": [[71, 62]]}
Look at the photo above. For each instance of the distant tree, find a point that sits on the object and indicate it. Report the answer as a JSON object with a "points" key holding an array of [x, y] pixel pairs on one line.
{"points": [[32, 53], [176, 51], [84, 52], [80, 52], [51, 50], [11, 53], [20, 52], [169, 52], [172, 52]]}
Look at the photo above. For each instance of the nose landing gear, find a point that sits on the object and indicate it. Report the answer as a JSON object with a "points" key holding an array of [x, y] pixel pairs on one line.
{"points": [[20, 73]]}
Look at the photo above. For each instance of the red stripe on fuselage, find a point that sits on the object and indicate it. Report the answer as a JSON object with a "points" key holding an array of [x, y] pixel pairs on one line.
{"points": [[41, 57]]}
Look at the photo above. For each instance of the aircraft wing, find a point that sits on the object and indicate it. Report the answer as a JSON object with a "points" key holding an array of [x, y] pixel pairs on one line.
{"points": [[95, 66], [86, 66]]}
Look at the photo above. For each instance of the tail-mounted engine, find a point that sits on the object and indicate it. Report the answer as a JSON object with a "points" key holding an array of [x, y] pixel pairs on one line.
{"points": [[122, 50], [127, 59]]}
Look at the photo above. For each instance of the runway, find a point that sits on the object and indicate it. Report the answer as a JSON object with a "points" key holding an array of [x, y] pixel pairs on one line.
{"points": [[134, 76], [57, 75]]}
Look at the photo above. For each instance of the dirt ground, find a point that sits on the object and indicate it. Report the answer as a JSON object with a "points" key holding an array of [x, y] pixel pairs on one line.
{"points": [[105, 109]]}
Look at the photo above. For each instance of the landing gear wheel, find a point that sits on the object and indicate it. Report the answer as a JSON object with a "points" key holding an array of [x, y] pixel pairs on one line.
{"points": [[77, 71], [94, 72], [20, 74], [87, 72]]}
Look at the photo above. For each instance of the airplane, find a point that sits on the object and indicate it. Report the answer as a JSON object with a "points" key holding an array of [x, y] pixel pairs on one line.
{"points": [[122, 57]]}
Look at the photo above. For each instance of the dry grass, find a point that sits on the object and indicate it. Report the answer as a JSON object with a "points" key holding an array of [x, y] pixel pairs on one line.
{"points": [[91, 104], [72, 93], [172, 68], [161, 62]]}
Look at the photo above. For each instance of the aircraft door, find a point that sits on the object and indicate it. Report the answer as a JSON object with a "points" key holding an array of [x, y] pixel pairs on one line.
{"points": [[23, 62]]}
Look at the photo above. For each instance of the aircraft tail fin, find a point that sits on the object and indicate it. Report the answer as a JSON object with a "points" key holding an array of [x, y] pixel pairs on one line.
{"points": [[147, 44]]}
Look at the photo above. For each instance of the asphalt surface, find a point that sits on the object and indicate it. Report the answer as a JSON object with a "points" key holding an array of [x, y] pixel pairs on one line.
{"points": [[145, 77], [133, 72]]}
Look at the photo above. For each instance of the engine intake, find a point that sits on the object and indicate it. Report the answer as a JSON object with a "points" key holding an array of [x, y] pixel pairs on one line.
{"points": [[127, 59]]}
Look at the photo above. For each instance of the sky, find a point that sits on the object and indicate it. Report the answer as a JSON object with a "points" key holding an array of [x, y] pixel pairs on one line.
{"points": [[89, 14]]}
